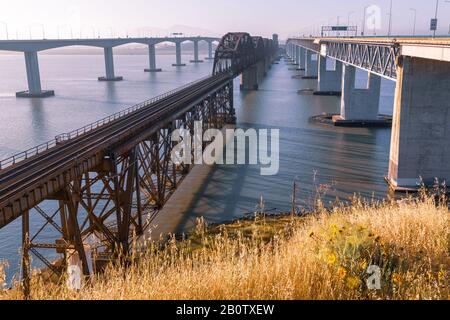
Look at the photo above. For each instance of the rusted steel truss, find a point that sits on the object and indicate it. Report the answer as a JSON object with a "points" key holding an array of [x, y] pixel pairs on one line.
{"points": [[96, 215], [237, 51]]}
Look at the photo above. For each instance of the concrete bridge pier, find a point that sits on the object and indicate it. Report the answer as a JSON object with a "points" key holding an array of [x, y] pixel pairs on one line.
{"points": [[297, 55], [178, 56], [261, 66], [420, 146], [34, 79], [210, 51], [196, 55], [311, 65], [249, 78], [359, 105], [289, 50], [330, 81], [302, 59], [109, 65], [268, 64], [152, 59]]}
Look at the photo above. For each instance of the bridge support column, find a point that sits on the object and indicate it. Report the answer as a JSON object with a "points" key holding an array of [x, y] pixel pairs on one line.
{"points": [[178, 56], [34, 79], [249, 78], [261, 66], [330, 81], [302, 60], [297, 55], [196, 55], [359, 105], [109, 66], [210, 51], [268, 64], [152, 59], [311, 65], [421, 126]]}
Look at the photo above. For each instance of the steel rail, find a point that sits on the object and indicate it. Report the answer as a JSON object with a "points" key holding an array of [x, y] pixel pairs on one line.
{"points": [[90, 143], [25, 155], [36, 160]]}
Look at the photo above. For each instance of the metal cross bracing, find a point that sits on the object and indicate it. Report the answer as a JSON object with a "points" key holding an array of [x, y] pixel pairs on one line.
{"points": [[87, 192], [378, 58], [98, 210]]}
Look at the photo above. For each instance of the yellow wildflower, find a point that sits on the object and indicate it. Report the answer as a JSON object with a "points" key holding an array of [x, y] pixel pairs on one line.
{"points": [[441, 276], [331, 259], [342, 273], [334, 229], [353, 283], [363, 265], [397, 279]]}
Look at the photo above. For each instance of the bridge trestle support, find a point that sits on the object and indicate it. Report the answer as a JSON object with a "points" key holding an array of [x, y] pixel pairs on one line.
{"points": [[152, 59], [196, 54], [109, 66], [178, 63], [421, 126], [34, 79], [249, 78], [311, 65], [330, 81], [359, 104], [210, 51]]}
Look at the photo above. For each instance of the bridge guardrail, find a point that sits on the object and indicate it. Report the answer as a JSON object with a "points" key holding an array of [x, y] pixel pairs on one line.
{"points": [[24, 155]]}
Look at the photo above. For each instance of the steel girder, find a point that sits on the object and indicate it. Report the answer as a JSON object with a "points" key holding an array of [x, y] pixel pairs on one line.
{"points": [[238, 51], [380, 59]]}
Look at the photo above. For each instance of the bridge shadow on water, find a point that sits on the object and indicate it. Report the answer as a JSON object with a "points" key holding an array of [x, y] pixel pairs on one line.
{"points": [[336, 163]]}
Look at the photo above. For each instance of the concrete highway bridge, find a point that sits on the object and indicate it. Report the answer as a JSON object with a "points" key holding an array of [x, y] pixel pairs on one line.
{"points": [[100, 184], [420, 144], [30, 48]]}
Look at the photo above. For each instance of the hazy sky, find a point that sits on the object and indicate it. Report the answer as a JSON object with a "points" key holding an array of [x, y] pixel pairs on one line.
{"points": [[264, 17]]}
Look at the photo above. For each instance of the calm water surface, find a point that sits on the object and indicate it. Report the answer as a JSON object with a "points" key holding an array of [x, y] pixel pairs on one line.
{"points": [[348, 160]]}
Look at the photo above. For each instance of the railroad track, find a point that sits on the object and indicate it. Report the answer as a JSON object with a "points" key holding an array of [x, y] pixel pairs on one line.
{"points": [[21, 178]]}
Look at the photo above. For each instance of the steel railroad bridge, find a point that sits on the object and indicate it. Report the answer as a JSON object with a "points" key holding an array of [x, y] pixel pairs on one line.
{"points": [[97, 186]]}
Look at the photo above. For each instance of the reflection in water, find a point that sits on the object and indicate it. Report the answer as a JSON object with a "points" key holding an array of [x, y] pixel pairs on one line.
{"points": [[38, 119]]}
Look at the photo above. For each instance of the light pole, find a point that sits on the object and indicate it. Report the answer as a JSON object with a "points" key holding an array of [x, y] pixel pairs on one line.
{"points": [[349, 16], [6, 29], [37, 24], [348, 20], [435, 17], [390, 20], [57, 31], [415, 19], [364, 21]]}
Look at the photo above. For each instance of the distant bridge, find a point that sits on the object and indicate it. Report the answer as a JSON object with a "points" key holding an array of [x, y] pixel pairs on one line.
{"points": [[107, 179], [30, 48], [421, 69]]}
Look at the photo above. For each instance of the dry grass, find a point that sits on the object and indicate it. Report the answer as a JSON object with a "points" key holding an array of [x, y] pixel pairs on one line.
{"points": [[322, 256]]}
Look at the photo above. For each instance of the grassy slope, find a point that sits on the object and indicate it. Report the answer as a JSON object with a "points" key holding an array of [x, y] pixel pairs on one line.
{"points": [[322, 256]]}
